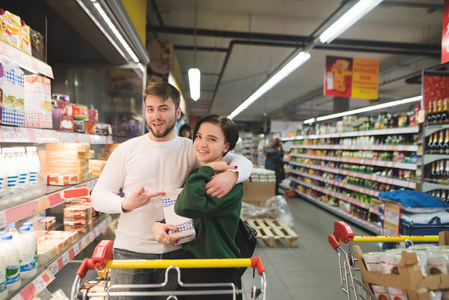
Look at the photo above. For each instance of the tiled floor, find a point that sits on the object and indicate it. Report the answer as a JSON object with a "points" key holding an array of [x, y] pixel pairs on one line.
{"points": [[309, 271]]}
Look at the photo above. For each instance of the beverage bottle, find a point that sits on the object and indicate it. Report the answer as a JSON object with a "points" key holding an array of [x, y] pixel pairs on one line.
{"points": [[34, 166], [26, 245], [9, 249], [12, 176], [11, 229], [22, 163], [438, 111], [3, 289], [33, 234], [445, 112], [2, 175], [429, 116]]}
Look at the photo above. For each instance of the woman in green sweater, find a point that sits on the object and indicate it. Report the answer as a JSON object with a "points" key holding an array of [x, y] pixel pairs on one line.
{"points": [[215, 219]]}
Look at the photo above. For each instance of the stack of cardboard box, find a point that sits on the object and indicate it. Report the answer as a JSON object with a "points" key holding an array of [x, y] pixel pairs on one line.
{"points": [[78, 215], [66, 163]]}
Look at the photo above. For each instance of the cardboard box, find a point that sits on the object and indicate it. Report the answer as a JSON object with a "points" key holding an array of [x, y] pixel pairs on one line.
{"points": [[257, 193], [12, 88], [410, 277], [38, 102]]}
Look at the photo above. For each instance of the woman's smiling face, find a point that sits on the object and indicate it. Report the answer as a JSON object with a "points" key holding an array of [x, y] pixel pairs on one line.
{"points": [[210, 143]]}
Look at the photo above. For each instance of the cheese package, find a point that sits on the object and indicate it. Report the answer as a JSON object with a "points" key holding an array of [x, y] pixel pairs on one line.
{"points": [[25, 41], [13, 93], [186, 230], [11, 27], [37, 102]]}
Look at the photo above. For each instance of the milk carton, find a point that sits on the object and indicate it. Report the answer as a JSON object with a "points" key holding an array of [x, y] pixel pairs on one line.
{"points": [[38, 110], [186, 230]]}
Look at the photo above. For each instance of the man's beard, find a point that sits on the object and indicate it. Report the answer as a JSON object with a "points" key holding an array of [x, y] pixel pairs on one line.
{"points": [[163, 133]]}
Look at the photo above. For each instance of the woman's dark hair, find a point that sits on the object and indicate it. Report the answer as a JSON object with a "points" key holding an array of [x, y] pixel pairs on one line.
{"points": [[228, 127], [186, 127], [276, 143]]}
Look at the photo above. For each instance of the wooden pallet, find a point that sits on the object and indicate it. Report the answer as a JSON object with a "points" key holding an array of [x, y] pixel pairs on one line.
{"points": [[271, 230]]}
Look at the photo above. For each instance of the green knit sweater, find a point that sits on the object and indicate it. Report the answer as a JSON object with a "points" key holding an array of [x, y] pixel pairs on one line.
{"points": [[215, 219]]}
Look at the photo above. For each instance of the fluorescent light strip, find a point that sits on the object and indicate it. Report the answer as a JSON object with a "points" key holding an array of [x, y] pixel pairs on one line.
{"points": [[309, 121], [106, 34], [194, 83], [370, 108], [116, 32], [348, 19], [295, 63]]}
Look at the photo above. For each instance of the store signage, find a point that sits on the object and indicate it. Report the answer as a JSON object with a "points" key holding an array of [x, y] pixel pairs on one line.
{"points": [[445, 37], [351, 77], [392, 219]]}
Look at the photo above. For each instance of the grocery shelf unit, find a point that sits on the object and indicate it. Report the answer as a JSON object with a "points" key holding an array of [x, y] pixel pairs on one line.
{"points": [[436, 130], [337, 175], [53, 195]]}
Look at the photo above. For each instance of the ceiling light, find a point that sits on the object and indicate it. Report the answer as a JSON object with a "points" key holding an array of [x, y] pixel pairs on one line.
{"points": [[115, 31], [295, 63], [194, 83], [348, 19], [309, 121], [370, 108]]}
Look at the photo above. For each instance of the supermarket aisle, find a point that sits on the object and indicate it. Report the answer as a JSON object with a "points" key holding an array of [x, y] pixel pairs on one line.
{"points": [[309, 271]]}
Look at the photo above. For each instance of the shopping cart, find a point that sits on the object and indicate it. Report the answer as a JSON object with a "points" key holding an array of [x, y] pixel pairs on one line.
{"points": [[347, 261], [102, 260]]}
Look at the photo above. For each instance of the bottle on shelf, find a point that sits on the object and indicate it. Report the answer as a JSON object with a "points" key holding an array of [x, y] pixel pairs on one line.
{"points": [[2, 176], [7, 246], [445, 111], [26, 245], [24, 179], [429, 117], [438, 111], [431, 143], [432, 173], [34, 166], [12, 192], [3, 289], [440, 143], [442, 172], [445, 148]]}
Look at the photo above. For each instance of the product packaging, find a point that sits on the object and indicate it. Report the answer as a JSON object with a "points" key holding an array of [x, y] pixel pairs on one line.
{"points": [[38, 111], [186, 230], [11, 27], [25, 42], [13, 91]]}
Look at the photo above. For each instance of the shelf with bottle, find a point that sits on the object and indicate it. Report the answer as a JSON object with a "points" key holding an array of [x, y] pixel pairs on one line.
{"points": [[11, 134], [374, 132], [53, 196], [371, 162], [338, 181], [46, 273], [345, 169], [354, 217], [437, 112], [368, 203]]}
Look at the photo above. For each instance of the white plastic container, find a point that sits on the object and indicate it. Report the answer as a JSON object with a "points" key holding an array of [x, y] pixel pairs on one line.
{"points": [[12, 176], [22, 163], [3, 289], [381, 292], [34, 167], [34, 236], [26, 245], [372, 261], [11, 229], [389, 262], [2, 174], [11, 254], [397, 294]]}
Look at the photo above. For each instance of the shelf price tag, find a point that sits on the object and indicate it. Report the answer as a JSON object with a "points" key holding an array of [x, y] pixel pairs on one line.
{"points": [[39, 133], [91, 236], [65, 258], [54, 267], [50, 136], [84, 243], [392, 218], [22, 134], [3, 221], [9, 134], [76, 249], [97, 231], [39, 284]]}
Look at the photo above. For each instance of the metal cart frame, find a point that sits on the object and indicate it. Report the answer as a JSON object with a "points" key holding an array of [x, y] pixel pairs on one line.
{"points": [[102, 260]]}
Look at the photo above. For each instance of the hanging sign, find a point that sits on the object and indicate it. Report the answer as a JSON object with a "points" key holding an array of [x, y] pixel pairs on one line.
{"points": [[445, 37], [351, 77], [392, 219]]}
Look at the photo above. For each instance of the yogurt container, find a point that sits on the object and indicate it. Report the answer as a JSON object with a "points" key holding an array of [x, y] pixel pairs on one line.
{"points": [[397, 294], [437, 263], [389, 262], [372, 261], [381, 292]]}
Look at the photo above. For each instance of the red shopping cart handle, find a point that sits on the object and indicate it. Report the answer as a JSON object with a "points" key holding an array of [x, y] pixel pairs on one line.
{"points": [[333, 241], [103, 253], [343, 232]]}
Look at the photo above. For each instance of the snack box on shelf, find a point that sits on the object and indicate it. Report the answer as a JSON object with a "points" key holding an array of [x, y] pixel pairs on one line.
{"points": [[64, 179], [38, 111], [410, 277], [52, 243]]}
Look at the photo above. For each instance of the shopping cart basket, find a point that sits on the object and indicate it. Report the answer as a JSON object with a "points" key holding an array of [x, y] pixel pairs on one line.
{"points": [[347, 261], [102, 260]]}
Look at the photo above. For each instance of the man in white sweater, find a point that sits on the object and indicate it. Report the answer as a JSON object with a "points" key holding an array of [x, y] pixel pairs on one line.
{"points": [[143, 169]]}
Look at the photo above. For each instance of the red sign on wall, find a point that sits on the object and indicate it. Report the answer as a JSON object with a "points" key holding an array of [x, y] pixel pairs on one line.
{"points": [[445, 37]]}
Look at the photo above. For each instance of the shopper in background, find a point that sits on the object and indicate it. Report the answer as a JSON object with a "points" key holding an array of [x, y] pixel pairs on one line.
{"points": [[185, 131], [143, 168], [215, 219], [274, 161]]}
